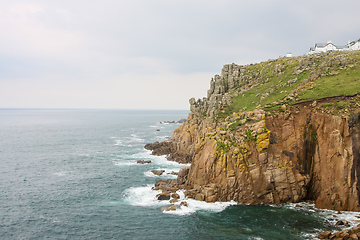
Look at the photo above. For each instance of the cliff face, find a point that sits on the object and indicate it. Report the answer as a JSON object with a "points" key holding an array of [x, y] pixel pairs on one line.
{"points": [[297, 138], [302, 154]]}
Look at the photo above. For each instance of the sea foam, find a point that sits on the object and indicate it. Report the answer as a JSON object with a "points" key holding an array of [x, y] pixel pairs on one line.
{"points": [[146, 197]]}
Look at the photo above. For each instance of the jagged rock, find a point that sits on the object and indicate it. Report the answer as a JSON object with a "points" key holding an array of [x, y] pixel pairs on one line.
{"points": [[182, 175], [324, 235], [301, 152], [163, 196], [169, 208], [159, 148], [340, 223], [175, 195], [143, 161], [158, 172], [200, 197], [275, 166]]}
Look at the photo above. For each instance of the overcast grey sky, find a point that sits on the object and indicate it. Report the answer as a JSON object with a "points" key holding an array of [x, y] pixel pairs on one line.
{"points": [[150, 54]]}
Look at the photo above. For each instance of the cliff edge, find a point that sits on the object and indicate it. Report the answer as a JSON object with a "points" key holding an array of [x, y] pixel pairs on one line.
{"points": [[284, 130]]}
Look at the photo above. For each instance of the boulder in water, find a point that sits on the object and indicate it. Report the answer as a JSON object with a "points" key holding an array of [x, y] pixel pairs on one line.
{"points": [[158, 172], [143, 161]]}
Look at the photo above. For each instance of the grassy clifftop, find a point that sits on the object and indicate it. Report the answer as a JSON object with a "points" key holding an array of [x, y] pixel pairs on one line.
{"points": [[271, 84]]}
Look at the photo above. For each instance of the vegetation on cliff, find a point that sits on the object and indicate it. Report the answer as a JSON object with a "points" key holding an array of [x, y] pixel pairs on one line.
{"points": [[275, 132], [271, 84]]}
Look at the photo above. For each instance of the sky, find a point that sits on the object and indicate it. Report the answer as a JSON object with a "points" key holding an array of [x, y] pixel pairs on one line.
{"points": [[150, 54]]}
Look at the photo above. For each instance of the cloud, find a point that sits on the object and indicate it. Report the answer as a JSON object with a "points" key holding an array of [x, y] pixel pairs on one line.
{"points": [[140, 44], [126, 91]]}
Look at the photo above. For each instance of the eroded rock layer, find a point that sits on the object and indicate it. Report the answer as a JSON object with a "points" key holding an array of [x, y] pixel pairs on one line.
{"points": [[284, 130], [299, 154]]}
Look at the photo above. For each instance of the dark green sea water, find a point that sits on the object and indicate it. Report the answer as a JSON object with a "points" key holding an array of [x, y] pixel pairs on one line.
{"points": [[72, 174]]}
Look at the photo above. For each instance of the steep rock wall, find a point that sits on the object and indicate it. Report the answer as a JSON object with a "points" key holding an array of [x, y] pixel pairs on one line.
{"points": [[296, 155]]}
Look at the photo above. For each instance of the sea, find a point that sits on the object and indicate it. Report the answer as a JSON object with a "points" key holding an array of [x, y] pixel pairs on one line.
{"points": [[72, 174]]}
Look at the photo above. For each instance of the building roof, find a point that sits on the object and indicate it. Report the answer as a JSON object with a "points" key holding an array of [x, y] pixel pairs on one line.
{"points": [[318, 46], [341, 47]]}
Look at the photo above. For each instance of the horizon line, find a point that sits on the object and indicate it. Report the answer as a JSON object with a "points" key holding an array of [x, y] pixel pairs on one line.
{"points": [[64, 108]]}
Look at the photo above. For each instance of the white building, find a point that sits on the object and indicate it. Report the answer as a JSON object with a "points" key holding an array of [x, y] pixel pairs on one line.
{"points": [[324, 47], [329, 46], [354, 45]]}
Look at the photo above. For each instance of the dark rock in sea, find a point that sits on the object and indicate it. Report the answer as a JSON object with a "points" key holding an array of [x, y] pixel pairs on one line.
{"points": [[185, 204], [163, 196], [340, 223], [143, 161], [175, 195], [159, 148], [158, 172], [173, 173]]}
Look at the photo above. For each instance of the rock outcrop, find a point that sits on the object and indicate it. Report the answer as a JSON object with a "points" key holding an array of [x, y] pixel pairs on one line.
{"points": [[285, 145], [351, 234], [300, 154]]}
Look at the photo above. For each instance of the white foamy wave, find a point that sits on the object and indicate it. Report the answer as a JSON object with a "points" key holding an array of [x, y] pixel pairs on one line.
{"points": [[128, 141], [135, 138], [125, 163], [146, 197], [157, 126], [167, 174], [142, 196], [142, 156], [194, 205], [162, 138], [158, 160], [118, 143], [331, 216]]}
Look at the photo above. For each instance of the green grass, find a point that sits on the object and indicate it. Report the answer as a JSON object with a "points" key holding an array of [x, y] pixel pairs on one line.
{"points": [[248, 100], [346, 83]]}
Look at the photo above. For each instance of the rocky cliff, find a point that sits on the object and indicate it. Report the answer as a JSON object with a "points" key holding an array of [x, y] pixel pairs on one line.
{"points": [[284, 130]]}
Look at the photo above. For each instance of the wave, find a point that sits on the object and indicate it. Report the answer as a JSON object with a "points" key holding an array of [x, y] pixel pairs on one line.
{"points": [[166, 175], [146, 197], [142, 196], [128, 141], [330, 216], [159, 160], [125, 163], [194, 205]]}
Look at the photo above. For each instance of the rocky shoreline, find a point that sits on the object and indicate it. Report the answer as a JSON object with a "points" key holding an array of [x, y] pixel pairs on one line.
{"points": [[255, 138], [170, 187], [352, 233]]}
